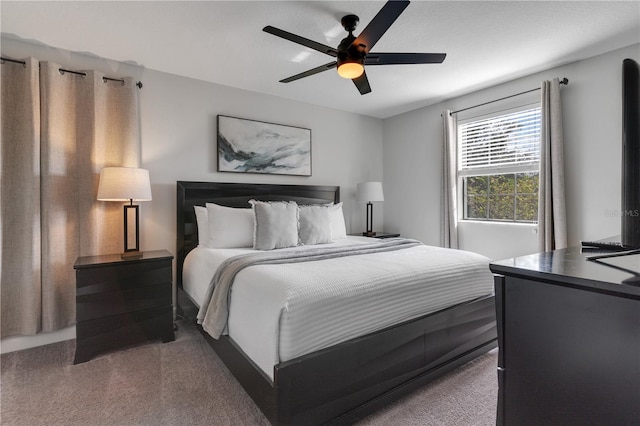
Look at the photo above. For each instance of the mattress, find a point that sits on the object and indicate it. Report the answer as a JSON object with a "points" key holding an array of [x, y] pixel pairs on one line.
{"points": [[280, 312]]}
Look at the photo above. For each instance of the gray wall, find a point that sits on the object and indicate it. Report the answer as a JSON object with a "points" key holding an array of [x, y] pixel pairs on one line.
{"points": [[178, 118], [592, 114]]}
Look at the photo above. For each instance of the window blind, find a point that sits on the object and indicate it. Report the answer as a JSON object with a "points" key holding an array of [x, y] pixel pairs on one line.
{"points": [[501, 141]]}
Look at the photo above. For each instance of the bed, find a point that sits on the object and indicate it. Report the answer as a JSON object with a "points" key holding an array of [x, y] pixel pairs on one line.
{"points": [[341, 382]]}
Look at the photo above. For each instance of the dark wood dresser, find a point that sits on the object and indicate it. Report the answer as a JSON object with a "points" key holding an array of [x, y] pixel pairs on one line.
{"points": [[120, 302], [569, 339]]}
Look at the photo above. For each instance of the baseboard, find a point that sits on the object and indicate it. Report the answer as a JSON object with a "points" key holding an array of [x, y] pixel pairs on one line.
{"points": [[18, 343]]}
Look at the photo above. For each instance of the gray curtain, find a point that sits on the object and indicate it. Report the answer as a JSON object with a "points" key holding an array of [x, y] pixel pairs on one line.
{"points": [[552, 215], [82, 123], [449, 229]]}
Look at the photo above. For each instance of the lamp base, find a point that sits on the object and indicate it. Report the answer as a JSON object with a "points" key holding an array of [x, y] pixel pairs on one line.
{"points": [[369, 234], [130, 255], [131, 229]]}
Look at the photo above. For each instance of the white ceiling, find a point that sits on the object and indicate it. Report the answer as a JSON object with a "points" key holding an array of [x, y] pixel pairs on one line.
{"points": [[222, 42]]}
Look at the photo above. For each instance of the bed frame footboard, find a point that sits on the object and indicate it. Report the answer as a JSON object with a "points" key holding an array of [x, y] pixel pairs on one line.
{"points": [[348, 381]]}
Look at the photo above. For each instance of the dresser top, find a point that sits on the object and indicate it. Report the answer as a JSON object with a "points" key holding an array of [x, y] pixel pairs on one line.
{"points": [[104, 259], [571, 267]]}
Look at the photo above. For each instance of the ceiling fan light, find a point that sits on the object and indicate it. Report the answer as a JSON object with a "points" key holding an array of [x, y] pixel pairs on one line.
{"points": [[350, 70]]}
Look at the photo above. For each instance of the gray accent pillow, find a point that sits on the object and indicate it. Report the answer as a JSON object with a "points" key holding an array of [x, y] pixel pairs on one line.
{"points": [[315, 227], [276, 224]]}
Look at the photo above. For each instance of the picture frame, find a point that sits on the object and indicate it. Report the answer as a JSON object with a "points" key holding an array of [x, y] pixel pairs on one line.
{"points": [[252, 146]]}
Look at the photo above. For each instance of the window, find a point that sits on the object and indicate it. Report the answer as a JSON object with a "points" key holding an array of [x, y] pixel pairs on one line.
{"points": [[498, 163]]}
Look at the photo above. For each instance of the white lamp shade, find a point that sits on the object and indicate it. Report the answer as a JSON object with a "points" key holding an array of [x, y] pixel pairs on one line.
{"points": [[369, 191], [124, 184]]}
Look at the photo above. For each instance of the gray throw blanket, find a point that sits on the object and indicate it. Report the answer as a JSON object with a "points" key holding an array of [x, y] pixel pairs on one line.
{"points": [[214, 311]]}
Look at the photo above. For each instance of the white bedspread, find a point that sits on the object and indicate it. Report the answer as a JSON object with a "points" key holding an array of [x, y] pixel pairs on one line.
{"points": [[280, 312]]}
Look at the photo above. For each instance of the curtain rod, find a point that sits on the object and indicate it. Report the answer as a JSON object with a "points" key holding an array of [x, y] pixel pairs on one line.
{"points": [[62, 71], [104, 79], [3, 59], [564, 81]]}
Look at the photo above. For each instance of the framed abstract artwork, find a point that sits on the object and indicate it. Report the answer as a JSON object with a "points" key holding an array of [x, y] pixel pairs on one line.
{"points": [[250, 146]]}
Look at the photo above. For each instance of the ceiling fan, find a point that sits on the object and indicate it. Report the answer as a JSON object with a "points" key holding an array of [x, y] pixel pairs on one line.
{"points": [[353, 53]]}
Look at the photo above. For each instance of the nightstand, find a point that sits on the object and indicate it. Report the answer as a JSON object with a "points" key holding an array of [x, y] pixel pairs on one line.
{"points": [[381, 235], [120, 302]]}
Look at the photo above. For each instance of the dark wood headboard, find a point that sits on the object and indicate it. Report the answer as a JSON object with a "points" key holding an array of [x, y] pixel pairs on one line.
{"points": [[234, 195]]}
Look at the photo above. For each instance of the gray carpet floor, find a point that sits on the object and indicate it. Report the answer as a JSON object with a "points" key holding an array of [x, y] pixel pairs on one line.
{"points": [[185, 383]]}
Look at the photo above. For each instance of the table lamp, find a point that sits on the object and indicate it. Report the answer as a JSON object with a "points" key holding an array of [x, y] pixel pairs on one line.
{"points": [[368, 192], [126, 184]]}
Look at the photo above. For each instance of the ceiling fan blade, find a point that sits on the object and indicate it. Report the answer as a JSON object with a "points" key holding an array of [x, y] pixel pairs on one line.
{"points": [[313, 71], [362, 83], [404, 58], [380, 24], [301, 40]]}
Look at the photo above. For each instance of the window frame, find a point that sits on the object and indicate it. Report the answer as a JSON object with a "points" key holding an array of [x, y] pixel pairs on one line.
{"points": [[461, 191]]}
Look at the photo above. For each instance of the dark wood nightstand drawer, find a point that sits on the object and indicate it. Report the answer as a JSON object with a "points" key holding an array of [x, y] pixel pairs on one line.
{"points": [[122, 276], [117, 331], [98, 305]]}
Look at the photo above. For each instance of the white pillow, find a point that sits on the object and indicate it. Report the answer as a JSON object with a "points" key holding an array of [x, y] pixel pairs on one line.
{"points": [[315, 227], [276, 224], [229, 227], [336, 221], [202, 220]]}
